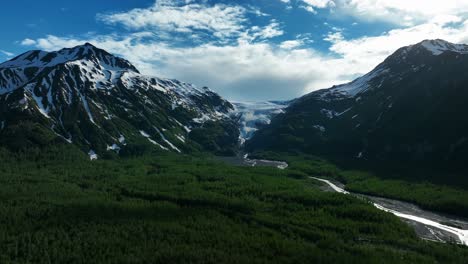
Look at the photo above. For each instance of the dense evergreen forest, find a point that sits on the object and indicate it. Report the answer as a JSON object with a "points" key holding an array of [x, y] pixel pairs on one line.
{"points": [[434, 190], [59, 207]]}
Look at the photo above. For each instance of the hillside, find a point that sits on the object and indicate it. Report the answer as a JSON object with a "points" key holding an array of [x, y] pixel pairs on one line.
{"points": [[102, 104], [410, 109]]}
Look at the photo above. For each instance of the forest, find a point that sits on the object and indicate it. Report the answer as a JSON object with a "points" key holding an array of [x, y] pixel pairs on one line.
{"points": [[434, 190], [59, 207]]}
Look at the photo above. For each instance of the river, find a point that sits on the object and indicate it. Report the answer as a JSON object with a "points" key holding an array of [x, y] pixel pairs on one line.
{"points": [[428, 225]]}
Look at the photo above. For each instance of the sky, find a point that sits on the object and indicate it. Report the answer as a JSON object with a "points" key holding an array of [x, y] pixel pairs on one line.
{"points": [[246, 50]]}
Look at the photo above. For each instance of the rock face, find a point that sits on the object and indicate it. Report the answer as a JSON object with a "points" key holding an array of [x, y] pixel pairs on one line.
{"points": [[411, 107], [102, 104]]}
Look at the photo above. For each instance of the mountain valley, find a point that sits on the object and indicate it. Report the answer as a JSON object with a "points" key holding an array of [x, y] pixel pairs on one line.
{"points": [[101, 163]]}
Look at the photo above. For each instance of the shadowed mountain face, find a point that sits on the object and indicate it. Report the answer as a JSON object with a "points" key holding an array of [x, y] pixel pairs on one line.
{"points": [[411, 107], [102, 104]]}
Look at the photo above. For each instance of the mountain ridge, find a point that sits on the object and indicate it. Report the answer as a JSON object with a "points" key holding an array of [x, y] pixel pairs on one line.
{"points": [[408, 108], [83, 92]]}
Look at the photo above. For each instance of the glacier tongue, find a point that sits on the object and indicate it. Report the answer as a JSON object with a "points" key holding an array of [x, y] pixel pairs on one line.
{"points": [[255, 114]]}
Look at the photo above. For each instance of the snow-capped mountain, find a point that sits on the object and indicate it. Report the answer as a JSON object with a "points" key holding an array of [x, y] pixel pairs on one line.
{"points": [[410, 107], [361, 84], [101, 103]]}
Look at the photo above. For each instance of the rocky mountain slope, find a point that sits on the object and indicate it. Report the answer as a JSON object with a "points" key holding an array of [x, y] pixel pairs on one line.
{"points": [[102, 104], [411, 107]]}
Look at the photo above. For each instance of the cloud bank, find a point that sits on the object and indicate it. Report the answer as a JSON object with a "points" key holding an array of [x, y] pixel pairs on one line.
{"points": [[220, 46]]}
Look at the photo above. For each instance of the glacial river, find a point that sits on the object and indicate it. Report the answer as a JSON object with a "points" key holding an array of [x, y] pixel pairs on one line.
{"points": [[428, 225]]}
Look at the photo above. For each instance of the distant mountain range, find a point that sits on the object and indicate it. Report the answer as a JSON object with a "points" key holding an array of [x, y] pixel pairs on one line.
{"points": [[102, 104], [411, 107]]}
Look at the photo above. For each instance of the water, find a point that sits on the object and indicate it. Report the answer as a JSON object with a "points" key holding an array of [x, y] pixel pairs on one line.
{"points": [[428, 225], [245, 161]]}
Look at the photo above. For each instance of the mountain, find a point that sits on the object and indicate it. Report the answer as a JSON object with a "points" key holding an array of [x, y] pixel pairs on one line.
{"points": [[410, 108], [101, 103]]}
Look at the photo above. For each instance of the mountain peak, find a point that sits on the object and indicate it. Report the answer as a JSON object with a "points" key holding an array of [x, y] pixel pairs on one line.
{"points": [[86, 52], [410, 55], [100, 102], [89, 44], [439, 46]]}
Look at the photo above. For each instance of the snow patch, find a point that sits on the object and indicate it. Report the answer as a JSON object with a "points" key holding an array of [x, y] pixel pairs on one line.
{"points": [[24, 101], [320, 128], [181, 138], [114, 147], [202, 119], [344, 112], [92, 155], [122, 140], [331, 114], [167, 141], [438, 46], [40, 105], [144, 134], [328, 113], [355, 87], [86, 107]]}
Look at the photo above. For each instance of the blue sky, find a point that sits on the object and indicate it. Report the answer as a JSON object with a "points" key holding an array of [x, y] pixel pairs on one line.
{"points": [[244, 49]]}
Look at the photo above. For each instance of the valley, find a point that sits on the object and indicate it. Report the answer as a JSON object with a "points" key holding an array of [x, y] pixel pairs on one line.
{"points": [[58, 205], [103, 163], [428, 225], [234, 131]]}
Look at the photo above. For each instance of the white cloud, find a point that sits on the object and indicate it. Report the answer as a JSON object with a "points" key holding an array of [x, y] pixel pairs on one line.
{"points": [[288, 4], [398, 12], [311, 5], [9, 54], [260, 71], [245, 71], [270, 31], [291, 44], [252, 66], [309, 9], [334, 37], [401, 12], [367, 52], [184, 17], [319, 3], [28, 42]]}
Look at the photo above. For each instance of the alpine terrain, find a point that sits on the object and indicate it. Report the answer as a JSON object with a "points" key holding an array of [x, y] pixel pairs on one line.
{"points": [[103, 105], [411, 108], [102, 164]]}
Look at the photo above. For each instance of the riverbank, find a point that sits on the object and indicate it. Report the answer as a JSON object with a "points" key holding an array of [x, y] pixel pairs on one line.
{"points": [[428, 225]]}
